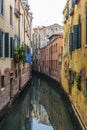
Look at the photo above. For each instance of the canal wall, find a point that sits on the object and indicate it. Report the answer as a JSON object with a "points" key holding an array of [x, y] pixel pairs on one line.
{"points": [[77, 124], [12, 84]]}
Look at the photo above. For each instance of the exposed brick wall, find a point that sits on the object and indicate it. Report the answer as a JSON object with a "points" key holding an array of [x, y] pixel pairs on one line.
{"points": [[50, 58]]}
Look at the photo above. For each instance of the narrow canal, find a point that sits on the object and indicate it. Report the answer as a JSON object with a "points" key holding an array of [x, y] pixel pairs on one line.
{"points": [[39, 107]]}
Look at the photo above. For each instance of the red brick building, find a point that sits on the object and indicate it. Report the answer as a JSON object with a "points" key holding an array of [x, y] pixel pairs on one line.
{"points": [[50, 57]]}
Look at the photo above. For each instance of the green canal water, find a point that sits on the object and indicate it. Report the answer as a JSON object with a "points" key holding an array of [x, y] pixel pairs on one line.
{"points": [[38, 107]]}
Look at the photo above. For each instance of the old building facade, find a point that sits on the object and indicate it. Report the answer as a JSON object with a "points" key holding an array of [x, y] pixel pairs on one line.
{"points": [[14, 31], [50, 57], [74, 58], [41, 39]]}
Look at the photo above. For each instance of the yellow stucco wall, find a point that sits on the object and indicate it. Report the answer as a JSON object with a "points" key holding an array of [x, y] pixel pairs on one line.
{"points": [[77, 61]]}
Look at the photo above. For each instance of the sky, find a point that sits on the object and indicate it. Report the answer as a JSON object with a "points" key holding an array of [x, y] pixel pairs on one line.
{"points": [[39, 126], [47, 12]]}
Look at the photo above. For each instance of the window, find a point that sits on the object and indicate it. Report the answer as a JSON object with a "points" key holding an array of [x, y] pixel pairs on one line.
{"points": [[6, 50], [79, 45], [72, 3], [16, 41], [11, 16], [71, 42], [1, 43], [77, 36], [11, 47], [1, 7]]}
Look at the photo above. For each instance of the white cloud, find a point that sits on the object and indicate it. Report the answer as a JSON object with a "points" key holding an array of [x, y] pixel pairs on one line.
{"points": [[47, 12]]}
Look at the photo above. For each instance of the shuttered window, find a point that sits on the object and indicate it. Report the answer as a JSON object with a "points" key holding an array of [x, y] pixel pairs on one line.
{"points": [[1, 43], [11, 47], [6, 44], [72, 3], [77, 36], [79, 33], [71, 42], [86, 27]]}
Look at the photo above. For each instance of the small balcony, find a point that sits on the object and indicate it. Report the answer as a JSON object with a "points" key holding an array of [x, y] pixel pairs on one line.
{"points": [[17, 12]]}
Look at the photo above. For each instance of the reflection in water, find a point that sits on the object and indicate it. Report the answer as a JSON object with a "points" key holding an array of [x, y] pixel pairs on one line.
{"points": [[39, 107]]}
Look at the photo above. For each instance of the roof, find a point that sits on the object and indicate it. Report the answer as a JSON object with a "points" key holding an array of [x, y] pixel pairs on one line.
{"points": [[55, 35]]}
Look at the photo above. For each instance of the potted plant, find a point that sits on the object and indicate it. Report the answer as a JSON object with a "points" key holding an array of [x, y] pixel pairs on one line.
{"points": [[19, 54], [71, 11]]}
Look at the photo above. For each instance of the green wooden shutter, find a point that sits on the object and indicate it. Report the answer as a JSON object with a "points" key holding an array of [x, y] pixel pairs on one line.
{"points": [[75, 37], [78, 38], [71, 42], [11, 47], [79, 34], [6, 44], [0, 43]]}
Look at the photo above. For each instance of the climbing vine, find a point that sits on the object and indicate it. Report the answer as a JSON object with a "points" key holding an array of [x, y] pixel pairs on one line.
{"points": [[78, 81]]}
